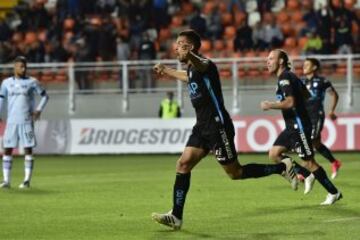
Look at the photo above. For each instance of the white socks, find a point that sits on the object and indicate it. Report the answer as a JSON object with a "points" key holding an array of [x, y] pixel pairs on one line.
{"points": [[7, 162], [29, 164]]}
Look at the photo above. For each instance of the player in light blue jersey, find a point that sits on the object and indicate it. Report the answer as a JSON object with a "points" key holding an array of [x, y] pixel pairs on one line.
{"points": [[20, 91]]}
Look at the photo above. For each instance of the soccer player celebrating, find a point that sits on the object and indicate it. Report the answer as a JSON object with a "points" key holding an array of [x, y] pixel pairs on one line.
{"points": [[292, 94], [213, 130], [19, 91], [318, 86]]}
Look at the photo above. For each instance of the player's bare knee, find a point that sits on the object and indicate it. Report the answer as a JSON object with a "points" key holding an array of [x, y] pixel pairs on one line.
{"points": [[274, 155], [183, 166]]}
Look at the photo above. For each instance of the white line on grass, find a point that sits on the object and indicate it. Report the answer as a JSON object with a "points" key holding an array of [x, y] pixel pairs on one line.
{"points": [[342, 219]]}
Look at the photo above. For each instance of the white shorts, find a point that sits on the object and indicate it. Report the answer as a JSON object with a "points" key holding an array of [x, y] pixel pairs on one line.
{"points": [[19, 135]]}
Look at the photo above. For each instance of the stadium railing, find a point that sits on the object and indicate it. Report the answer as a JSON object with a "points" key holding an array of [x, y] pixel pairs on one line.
{"points": [[129, 78]]}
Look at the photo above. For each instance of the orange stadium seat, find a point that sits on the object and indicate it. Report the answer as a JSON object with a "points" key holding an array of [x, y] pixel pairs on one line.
{"points": [[297, 16], [30, 37], [293, 5], [302, 42], [208, 7], [205, 46], [69, 24], [290, 42], [219, 45], [239, 18], [282, 17], [230, 32], [226, 19], [341, 69]]}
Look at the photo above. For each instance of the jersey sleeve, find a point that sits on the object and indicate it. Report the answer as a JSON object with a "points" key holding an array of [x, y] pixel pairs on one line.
{"points": [[328, 85], [38, 88], [3, 90], [286, 87]]}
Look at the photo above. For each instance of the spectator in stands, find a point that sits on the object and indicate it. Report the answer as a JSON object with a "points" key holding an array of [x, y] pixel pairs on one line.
{"points": [[264, 6], [82, 51], [311, 21], [343, 20], [324, 22], [273, 37], [107, 40], [169, 108], [313, 44], [198, 23], [160, 13], [213, 24], [258, 37], [237, 5], [123, 54], [147, 52], [243, 39]]}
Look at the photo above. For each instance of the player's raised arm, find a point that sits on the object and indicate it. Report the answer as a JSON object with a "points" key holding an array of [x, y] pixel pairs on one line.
{"points": [[161, 69]]}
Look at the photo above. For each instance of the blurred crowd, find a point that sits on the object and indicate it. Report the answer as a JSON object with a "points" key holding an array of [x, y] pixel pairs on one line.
{"points": [[110, 30]]}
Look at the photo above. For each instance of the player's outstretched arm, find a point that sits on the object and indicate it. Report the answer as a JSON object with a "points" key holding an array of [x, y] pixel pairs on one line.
{"points": [[161, 69]]}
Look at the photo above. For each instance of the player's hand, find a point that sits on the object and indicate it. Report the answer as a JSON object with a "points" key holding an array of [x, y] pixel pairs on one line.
{"points": [[36, 115], [332, 116], [159, 68], [265, 105]]}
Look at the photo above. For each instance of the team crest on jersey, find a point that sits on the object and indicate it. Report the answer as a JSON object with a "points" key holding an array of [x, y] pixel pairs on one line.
{"points": [[284, 82], [315, 84]]}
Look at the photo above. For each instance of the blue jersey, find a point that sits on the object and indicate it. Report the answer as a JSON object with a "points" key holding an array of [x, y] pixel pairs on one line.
{"points": [[20, 95], [317, 86]]}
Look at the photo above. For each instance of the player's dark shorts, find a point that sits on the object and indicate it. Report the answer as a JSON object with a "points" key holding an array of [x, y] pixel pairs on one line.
{"points": [[317, 126], [220, 140], [298, 141]]}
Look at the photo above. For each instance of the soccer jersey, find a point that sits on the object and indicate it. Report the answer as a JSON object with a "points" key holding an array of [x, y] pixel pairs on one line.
{"points": [[20, 95], [317, 87], [206, 97], [290, 85]]}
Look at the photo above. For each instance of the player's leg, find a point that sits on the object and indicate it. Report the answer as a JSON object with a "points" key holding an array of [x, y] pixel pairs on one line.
{"points": [[193, 153], [326, 153], [6, 164], [306, 153], [283, 143], [27, 139], [10, 141], [225, 152]]}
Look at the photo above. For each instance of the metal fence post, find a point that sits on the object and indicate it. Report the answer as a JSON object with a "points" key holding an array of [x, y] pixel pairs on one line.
{"points": [[349, 81], [236, 107], [180, 95], [125, 83], [71, 75]]}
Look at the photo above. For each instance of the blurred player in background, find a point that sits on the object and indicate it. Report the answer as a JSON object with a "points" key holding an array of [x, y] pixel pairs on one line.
{"points": [[318, 86], [213, 131], [292, 96], [19, 91]]}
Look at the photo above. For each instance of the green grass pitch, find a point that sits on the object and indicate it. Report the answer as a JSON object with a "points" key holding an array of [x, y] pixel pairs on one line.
{"points": [[112, 197]]}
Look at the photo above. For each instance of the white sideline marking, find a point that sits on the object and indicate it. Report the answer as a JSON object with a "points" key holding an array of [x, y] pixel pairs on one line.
{"points": [[342, 219]]}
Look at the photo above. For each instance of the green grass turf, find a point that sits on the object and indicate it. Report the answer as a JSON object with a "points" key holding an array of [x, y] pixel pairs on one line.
{"points": [[112, 197]]}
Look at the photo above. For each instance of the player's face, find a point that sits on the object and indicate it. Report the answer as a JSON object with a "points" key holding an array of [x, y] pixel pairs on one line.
{"points": [[182, 45], [308, 68], [273, 62], [19, 69]]}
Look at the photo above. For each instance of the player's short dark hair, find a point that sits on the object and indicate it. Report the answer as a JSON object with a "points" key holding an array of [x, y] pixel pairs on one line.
{"points": [[315, 62], [285, 57], [193, 37], [21, 59]]}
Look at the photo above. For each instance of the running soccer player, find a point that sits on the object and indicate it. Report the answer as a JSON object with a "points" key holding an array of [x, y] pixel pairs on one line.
{"points": [[213, 131], [318, 86], [19, 91], [292, 94]]}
